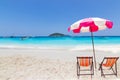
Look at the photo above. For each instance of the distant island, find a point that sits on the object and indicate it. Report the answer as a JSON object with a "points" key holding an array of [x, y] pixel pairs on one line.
{"points": [[25, 37], [57, 35]]}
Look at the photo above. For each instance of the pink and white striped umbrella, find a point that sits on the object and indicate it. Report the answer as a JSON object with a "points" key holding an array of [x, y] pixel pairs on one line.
{"points": [[90, 25]]}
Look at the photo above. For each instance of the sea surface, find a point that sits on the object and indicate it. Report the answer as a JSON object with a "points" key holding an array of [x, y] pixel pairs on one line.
{"points": [[56, 42]]}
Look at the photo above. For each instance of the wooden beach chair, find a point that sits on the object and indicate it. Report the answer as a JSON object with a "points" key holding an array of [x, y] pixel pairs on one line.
{"points": [[85, 66], [109, 64]]}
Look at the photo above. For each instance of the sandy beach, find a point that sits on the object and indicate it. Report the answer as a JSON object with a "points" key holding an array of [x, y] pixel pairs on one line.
{"points": [[37, 64], [41, 39]]}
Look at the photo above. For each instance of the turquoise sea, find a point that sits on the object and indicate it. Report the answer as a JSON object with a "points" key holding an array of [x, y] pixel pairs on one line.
{"points": [[59, 41]]}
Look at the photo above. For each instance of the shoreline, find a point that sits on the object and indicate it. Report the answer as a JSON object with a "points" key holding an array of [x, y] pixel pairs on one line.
{"points": [[70, 53], [107, 48]]}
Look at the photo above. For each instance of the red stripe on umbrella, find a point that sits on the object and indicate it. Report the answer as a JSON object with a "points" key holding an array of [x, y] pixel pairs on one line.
{"points": [[109, 24]]}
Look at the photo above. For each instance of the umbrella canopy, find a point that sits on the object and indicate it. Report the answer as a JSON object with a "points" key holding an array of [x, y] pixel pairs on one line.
{"points": [[91, 25]]}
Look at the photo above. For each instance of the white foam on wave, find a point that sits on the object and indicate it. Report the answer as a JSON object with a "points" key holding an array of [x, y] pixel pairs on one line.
{"points": [[33, 47], [111, 48], [108, 48]]}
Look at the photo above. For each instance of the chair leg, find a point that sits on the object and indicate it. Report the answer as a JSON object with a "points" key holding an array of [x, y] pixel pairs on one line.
{"points": [[116, 69], [113, 71], [78, 70], [99, 67], [92, 69], [91, 76], [102, 74]]}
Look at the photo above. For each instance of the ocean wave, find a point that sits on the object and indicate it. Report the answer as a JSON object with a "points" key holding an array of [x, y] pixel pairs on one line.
{"points": [[32, 47], [111, 48], [107, 48]]}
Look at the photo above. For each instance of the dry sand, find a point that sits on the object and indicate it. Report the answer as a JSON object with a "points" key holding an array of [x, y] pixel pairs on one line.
{"points": [[35, 64]]}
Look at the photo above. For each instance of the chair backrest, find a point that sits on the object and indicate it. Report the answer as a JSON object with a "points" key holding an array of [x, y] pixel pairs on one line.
{"points": [[109, 61], [85, 61]]}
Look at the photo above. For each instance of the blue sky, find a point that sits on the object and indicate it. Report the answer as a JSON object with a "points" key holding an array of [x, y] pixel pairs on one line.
{"points": [[43, 17]]}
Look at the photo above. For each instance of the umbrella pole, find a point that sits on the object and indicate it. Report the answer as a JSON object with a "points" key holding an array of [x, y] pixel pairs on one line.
{"points": [[93, 48]]}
